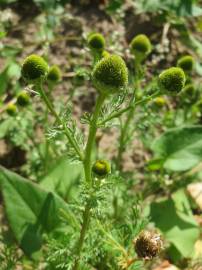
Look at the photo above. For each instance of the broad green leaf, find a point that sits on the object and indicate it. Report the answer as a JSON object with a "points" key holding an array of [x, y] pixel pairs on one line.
{"points": [[174, 218], [63, 177], [179, 148], [30, 210]]}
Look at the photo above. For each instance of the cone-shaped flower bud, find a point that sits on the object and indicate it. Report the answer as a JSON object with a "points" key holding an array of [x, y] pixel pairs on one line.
{"points": [[34, 67], [141, 46], [23, 99], [11, 109], [54, 74], [186, 63], [172, 80], [110, 75], [96, 41], [101, 168]]}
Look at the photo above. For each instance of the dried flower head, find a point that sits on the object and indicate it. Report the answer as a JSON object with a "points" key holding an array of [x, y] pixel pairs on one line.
{"points": [[101, 168], [23, 98], [172, 80], [96, 41], [34, 67], [186, 63], [54, 74], [148, 245], [110, 75]]}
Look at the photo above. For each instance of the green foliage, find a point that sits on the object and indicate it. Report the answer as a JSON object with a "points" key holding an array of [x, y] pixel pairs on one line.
{"points": [[110, 75], [79, 211], [174, 218], [30, 212], [62, 178], [179, 149], [178, 7]]}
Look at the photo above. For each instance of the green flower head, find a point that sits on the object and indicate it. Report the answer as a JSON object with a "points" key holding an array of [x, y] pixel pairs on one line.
{"points": [[160, 101], [105, 54], [54, 74], [34, 67], [189, 89], [172, 80], [23, 99], [96, 42], [110, 75], [11, 109], [141, 46], [101, 168], [186, 63]]}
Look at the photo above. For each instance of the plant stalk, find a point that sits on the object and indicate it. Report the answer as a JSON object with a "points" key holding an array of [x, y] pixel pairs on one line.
{"points": [[87, 169], [67, 133]]}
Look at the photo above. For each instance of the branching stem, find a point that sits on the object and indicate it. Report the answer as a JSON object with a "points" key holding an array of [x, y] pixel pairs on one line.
{"points": [[67, 133], [87, 168]]}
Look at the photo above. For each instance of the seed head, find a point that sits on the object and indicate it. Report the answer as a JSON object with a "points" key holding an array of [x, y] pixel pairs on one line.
{"points": [[54, 74], [141, 46], [96, 41], [172, 80], [101, 168], [148, 245], [110, 75], [11, 109], [23, 99], [34, 67], [186, 63]]}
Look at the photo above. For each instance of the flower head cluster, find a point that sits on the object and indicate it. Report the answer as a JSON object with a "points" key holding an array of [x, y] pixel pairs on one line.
{"points": [[110, 75], [172, 80]]}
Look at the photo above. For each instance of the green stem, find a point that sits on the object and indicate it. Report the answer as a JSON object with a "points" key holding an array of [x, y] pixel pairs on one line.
{"points": [[119, 113], [86, 219], [54, 113], [91, 139], [88, 177], [124, 129]]}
